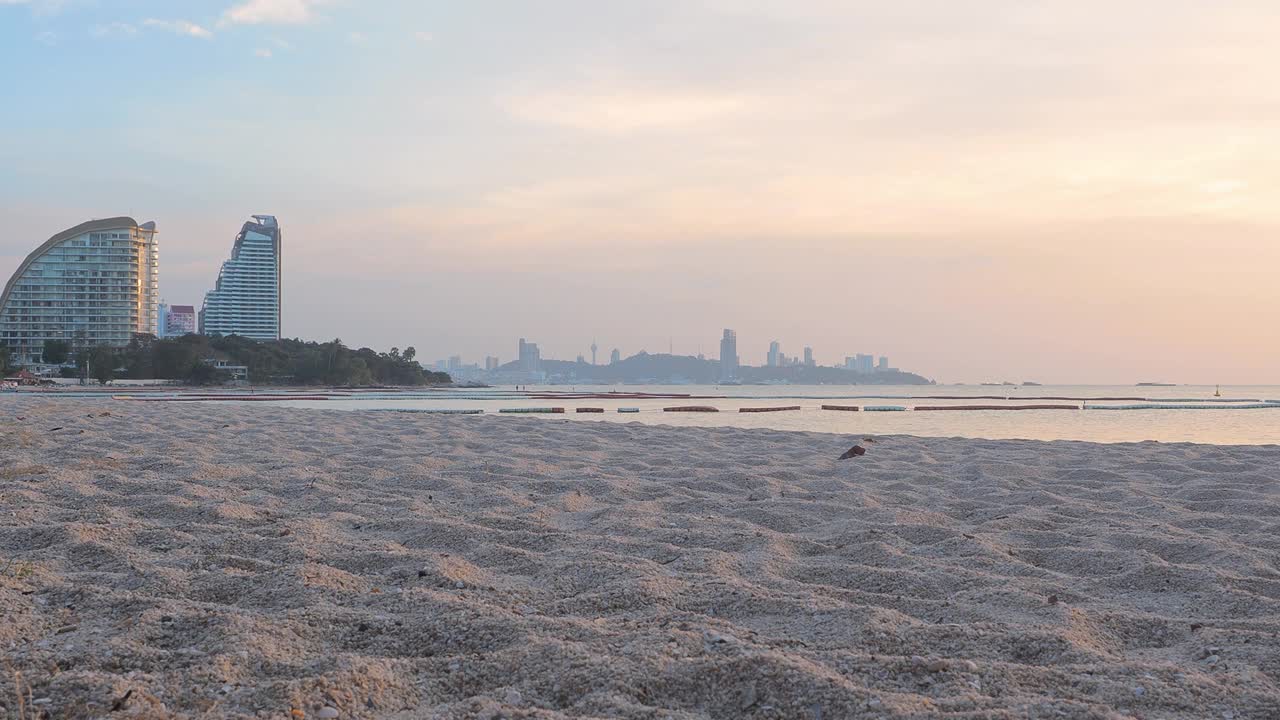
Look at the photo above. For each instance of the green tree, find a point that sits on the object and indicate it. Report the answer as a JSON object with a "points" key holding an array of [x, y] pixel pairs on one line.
{"points": [[138, 357], [56, 352], [205, 374], [174, 360], [102, 364]]}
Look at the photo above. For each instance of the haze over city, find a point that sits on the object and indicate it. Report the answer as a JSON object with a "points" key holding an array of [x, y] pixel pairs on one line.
{"points": [[1065, 192]]}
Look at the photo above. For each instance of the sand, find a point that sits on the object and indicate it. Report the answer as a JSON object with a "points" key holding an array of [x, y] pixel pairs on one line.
{"points": [[217, 560]]}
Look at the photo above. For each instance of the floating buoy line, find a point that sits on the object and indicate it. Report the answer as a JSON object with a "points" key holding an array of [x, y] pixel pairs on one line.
{"points": [[851, 403]]}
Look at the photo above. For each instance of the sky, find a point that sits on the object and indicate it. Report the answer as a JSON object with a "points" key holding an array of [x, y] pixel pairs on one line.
{"points": [[1066, 191]]}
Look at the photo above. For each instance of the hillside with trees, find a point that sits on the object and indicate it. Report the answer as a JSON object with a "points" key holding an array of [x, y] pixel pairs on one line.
{"points": [[193, 358]]}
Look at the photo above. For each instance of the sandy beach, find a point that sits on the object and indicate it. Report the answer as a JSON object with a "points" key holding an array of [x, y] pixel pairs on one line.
{"points": [[194, 560]]}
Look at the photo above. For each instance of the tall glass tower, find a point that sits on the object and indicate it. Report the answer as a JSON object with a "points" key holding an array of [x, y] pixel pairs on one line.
{"points": [[94, 284], [246, 301], [729, 356]]}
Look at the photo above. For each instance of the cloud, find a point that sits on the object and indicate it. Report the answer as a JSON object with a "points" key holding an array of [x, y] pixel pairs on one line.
{"points": [[264, 53], [113, 29], [423, 37], [47, 38], [180, 27], [272, 12]]}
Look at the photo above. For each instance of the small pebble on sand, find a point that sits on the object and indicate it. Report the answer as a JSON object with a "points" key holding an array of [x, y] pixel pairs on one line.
{"points": [[327, 712]]}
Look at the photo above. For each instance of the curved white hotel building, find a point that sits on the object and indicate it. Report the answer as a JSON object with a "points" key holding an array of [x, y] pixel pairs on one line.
{"points": [[95, 284], [246, 301]]}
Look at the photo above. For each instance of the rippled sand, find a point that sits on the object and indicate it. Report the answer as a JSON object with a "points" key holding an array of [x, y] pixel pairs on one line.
{"points": [[223, 561]]}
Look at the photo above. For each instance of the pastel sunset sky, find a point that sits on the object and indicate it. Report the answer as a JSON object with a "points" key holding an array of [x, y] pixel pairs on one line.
{"points": [[1052, 190]]}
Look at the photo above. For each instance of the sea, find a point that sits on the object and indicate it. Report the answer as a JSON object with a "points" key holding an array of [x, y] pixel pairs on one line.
{"points": [[1225, 415]]}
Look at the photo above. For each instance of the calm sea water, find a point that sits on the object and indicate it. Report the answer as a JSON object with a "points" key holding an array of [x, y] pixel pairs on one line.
{"points": [[1234, 427]]}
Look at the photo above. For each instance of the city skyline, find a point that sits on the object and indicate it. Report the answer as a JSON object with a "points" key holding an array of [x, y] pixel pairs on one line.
{"points": [[265, 228], [529, 356], [1102, 209]]}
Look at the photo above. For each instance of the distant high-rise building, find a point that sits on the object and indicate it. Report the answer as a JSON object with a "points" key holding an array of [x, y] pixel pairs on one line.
{"points": [[246, 300], [615, 357], [775, 354], [177, 320], [530, 357], [455, 362], [808, 357], [94, 284], [581, 360], [593, 352], [729, 356], [491, 363], [865, 363], [883, 365]]}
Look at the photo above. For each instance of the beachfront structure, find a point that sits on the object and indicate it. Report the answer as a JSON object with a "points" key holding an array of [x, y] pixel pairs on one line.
{"points": [[246, 300], [729, 356], [94, 284]]}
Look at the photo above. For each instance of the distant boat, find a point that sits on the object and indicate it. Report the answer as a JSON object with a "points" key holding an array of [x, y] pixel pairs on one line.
{"points": [[1151, 384], [1217, 391], [1029, 383]]}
